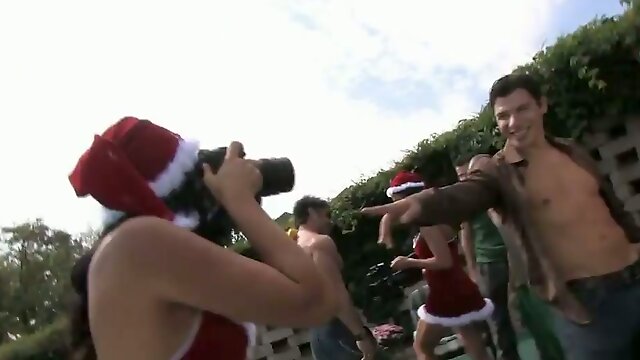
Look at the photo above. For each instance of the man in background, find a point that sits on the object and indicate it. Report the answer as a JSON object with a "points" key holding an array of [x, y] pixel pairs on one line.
{"points": [[487, 260], [345, 337]]}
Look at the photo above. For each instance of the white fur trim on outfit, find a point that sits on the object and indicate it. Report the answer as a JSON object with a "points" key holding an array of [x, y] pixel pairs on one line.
{"points": [[456, 321], [184, 160], [188, 221], [191, 337], [252, 335], [396, 189]]}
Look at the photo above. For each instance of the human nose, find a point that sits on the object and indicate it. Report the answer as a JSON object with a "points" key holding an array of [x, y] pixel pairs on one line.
{"points": [[512, 124]]}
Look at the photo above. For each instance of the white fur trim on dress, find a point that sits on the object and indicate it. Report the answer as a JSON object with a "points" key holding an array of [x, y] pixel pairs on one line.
{"points": [[252, 335], [184, 160], [396, 189], [188, 341], [456, 321]]}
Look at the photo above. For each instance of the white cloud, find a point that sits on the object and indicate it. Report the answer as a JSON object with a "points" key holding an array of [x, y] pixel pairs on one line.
{"points": [[245, 70]]}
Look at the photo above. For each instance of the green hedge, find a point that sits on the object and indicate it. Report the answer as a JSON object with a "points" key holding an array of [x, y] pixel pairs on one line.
{"points": [[590, 76], [47, 344]]}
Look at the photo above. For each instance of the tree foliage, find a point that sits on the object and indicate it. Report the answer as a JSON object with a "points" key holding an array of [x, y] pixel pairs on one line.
{"points": [[34, 276]]}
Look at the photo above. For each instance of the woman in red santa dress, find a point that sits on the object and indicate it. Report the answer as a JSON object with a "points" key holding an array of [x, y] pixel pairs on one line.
{"points": [[453, 300], [157, 285]]}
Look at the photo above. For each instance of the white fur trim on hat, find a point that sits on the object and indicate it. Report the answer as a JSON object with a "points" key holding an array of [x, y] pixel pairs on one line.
{"points": [[396, 189], [172, 177], [456, 321], [184, 160], [188, 221]]}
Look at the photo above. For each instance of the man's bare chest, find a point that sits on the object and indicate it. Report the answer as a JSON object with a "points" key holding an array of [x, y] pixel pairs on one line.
{"points": [[556, 183]]}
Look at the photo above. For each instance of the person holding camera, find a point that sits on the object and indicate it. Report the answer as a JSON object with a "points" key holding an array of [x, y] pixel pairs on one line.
{"points": [[453, 300], [345, 337], [157, 285]]}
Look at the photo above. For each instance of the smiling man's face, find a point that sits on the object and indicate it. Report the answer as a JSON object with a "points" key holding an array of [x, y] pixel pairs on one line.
{"points": [[519, 117]]}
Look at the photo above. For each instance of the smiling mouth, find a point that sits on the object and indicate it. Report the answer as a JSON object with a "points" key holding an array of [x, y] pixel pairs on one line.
{"points": [[520, 133]]}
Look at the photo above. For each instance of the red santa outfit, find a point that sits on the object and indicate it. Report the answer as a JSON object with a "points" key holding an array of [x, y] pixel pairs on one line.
{"points": [[453, 299], [130, 169]]}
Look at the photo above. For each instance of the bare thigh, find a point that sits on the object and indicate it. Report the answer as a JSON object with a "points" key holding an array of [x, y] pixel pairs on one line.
{"points": [[474, 345], [427, 338]]}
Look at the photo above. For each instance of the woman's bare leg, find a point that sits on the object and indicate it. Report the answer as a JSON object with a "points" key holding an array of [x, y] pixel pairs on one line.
{"points": [[427, 338], [473, 342]]}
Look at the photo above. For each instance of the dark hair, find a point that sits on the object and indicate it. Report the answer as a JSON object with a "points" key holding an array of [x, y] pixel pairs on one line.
{"points": [[512, 82], [192, 195], [301, 208]]}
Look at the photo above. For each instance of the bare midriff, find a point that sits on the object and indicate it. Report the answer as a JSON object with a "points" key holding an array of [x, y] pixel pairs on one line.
{"points": [[572, 220]]}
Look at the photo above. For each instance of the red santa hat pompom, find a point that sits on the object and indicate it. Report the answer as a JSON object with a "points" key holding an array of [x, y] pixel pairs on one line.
{"points": [[132, 166], [404, 180]]}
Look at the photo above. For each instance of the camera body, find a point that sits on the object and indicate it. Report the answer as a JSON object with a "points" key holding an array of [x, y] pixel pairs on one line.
{"points": [[278, 174]]}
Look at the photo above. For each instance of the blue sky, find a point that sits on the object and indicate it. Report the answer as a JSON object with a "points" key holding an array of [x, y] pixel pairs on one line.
{"points": [[352, 82], [407, 95]]}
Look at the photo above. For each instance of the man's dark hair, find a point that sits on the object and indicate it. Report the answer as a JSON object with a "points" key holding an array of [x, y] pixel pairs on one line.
{"points": [[301, 208], [464, 159], [512, 82]]}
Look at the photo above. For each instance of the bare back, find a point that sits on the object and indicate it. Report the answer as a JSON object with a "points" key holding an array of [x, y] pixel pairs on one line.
{"points": [[312, 242], [573, 220], [150, 282], [126, 317]]}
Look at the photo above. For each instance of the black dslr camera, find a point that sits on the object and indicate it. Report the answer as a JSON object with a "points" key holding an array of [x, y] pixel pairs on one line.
{"points": [[384, 292], [278, 174]]}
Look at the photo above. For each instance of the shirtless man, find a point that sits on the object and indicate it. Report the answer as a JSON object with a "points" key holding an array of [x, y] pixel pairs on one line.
{"points": [[568, 231], [345, 337]]}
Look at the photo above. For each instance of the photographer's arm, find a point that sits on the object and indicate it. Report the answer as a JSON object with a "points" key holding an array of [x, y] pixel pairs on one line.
{"points": [[176, 266]]}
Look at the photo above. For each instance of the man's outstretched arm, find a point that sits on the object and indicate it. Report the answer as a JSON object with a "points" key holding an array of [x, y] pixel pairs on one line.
{"points": [[450, 205], [459, 202]]}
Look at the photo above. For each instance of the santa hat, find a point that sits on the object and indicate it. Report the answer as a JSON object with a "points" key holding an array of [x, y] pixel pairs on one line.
{"points": [[404, 180], [132, 166]]}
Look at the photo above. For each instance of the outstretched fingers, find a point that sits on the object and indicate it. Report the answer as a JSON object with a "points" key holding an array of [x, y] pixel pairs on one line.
{"points": [[405, 211], [379, 210]]}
